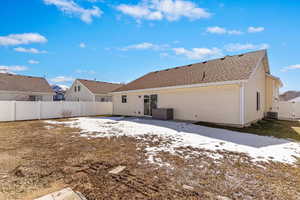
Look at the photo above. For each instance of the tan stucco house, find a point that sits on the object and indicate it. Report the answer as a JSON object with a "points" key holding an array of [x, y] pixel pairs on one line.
{"points": [[235, 90], [89, 90], [24, 88]]}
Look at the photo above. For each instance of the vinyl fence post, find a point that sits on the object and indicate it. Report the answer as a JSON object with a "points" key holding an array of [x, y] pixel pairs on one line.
{"points": [[40, 109], [80, 110], [62, 108], [14, 110], [293, 110]]}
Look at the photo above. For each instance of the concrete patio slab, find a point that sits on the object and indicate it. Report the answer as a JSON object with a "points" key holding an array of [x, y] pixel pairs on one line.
{"points": [[64, 194]]}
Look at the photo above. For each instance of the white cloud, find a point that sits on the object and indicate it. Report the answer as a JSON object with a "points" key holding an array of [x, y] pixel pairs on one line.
{"points": [[29, 50], [220, 30], [71, 8], [33, 62], [171, 10], [241, 47], [292, 67], [198, 53], [144, 46], [25, 38], [61, 79], [82, 45], [252, 29], [64, 87], [89, 72], [216, 30], [234, 32], [12, 69]]}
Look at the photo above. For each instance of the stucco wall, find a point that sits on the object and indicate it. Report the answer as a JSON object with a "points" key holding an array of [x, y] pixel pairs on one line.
{"points": [[272, 92], [257, 83], [83, 95], [217, 104], [21, 96]]}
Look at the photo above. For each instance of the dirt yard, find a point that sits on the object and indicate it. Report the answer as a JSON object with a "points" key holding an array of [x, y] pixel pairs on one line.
{"points": [[37, 158]]}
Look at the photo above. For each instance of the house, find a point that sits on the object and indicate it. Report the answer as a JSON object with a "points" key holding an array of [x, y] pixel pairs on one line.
{"points": [[289, 95], [60, 91], [88, 90], [24, 88], [297, 99], [234, 90]]}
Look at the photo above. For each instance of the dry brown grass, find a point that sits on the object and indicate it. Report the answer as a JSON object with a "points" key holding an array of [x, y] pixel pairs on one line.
{"points": [[53, 187], [35, 161]]}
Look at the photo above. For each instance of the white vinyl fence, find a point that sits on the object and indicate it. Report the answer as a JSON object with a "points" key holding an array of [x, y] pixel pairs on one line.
{"points": [[287, 110], [26, 110]]}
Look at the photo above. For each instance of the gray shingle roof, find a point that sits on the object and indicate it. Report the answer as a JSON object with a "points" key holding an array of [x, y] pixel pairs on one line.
{"points": [[10, 82], [229, 68], [99, 87]]}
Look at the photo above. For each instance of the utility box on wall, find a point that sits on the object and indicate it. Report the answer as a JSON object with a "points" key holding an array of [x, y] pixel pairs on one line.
{"points": [[163, 113], [272, 115]]}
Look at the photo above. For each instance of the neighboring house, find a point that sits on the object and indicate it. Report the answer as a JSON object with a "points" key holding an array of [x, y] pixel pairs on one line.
{"points": [[24, 88], [297, 99], [88, 90], [59, 92], [234, 90], [289, 95]]}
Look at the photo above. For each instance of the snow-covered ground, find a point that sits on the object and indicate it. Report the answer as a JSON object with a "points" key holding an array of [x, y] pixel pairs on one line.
{"points": [[180, 134]]}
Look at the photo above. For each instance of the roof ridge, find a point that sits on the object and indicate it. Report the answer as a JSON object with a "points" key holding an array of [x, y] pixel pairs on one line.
{"points": [[228, 68], [99, 81], [8, 74], [206, 61]]}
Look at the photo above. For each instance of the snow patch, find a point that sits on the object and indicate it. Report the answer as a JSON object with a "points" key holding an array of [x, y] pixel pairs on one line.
{"points": [[180, 134]]}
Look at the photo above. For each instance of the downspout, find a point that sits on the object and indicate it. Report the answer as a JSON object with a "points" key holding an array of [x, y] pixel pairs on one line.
{"points": [[242, 104]]}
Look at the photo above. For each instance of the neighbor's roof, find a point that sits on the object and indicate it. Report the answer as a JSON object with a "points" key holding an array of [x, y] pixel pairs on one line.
{"points": [[99, 87], [229, 68], [11, 82]]}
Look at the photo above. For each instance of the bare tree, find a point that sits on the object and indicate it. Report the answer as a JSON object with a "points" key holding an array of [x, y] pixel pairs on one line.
{"points": [[66, 113]]}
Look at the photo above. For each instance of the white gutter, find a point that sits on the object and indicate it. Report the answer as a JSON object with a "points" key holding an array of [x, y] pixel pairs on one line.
{"points": [[242, 103], [275, 78], [185, 86]]}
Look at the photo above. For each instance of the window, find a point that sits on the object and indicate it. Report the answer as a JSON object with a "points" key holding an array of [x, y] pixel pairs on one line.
{"points": [[257, 101], [31, 98], [35, 98], [75, 88], [78, 88], [124, 99], [103, 98]]}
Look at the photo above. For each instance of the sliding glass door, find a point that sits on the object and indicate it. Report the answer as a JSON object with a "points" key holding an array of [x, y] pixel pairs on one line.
{"points": [[150, 102]]}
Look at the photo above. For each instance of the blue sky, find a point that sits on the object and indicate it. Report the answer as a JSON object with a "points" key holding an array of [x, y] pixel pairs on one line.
{"points": [[118, 41]]}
